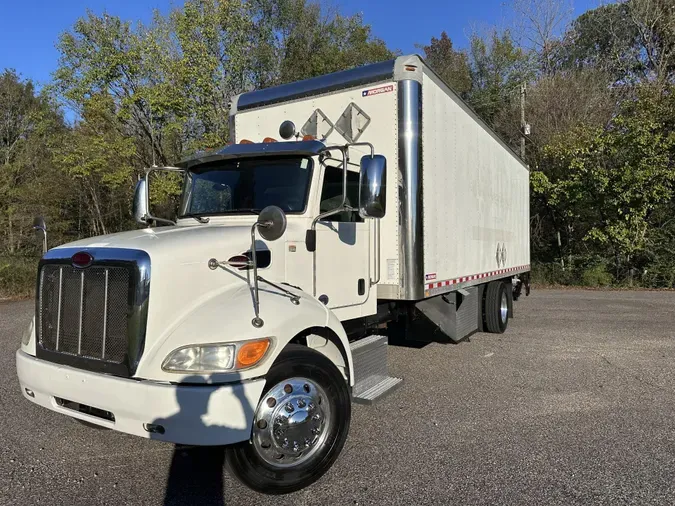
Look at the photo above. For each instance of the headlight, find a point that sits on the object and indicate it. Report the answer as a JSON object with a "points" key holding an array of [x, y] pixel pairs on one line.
{"points": [[216, 357], [25, 338]]}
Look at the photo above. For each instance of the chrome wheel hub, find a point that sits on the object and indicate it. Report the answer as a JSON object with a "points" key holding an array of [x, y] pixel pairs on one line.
{"points": [[504, 307], [291, 422]]}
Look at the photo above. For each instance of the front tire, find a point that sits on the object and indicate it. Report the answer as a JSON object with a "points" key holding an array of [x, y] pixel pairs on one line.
{"points": [[300, 425]]}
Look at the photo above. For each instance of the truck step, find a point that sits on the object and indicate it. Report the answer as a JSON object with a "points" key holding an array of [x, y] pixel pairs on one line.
{"points": [[371, 372]]}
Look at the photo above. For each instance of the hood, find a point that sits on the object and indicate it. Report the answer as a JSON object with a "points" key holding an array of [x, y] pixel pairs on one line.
{"points": [[180, 244], [180, 280]]}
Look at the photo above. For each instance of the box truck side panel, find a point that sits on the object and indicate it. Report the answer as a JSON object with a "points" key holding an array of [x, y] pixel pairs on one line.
{"points": [[475, 194]]}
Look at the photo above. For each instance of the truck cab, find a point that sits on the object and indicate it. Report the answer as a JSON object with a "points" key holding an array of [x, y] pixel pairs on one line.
{"points": [[219, 329]]}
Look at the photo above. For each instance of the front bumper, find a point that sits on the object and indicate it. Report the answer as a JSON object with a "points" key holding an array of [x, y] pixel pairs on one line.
{"points": [[193, 414]]}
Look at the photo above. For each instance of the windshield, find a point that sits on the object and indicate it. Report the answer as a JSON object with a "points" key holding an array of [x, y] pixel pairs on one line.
{"points": [[246, 185]]}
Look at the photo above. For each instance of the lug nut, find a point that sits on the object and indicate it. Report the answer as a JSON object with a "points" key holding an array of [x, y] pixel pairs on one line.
{"points": [[289, 407], [301, 403], [316, 417]]}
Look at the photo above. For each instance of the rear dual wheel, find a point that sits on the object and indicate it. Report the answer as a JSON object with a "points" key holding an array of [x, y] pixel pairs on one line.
{"points": [[496, 307], [300, 424]]}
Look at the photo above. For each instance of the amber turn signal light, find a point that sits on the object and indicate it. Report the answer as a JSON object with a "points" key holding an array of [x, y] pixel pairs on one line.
{"points": [[251, 353]]}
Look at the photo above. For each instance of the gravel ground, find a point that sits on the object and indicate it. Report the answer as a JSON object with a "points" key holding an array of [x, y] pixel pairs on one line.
{"points": [[574, 404]]}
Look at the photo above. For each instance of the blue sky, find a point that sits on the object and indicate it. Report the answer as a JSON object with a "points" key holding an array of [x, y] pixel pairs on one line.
{"points": [[31, 28]]}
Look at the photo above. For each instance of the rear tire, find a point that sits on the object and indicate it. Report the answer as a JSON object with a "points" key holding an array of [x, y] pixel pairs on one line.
{"points": [[300, 425], [496, 307]]}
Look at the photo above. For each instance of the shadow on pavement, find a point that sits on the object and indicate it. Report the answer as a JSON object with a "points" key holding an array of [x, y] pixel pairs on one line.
{"points": [[196, 476], [196, 473]]}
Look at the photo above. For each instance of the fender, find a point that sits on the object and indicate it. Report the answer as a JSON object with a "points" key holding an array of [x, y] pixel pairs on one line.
{"points": [[227, 316]]}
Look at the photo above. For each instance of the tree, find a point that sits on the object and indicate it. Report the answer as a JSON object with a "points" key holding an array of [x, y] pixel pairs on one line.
{"points": [[540, 24], [654, 22], [632, 40], [311, 42], [608, 185], [98, 158], [498, 68], [30, 124], [451, 65], [556, 104], [604, 39]]}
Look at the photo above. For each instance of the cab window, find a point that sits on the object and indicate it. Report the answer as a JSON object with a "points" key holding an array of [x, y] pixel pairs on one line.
{"points": [[331, 194]]}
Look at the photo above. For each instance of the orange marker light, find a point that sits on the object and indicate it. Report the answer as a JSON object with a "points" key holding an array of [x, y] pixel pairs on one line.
{"points": [[269, 139], [245, 141], [309, 138], [252, 352]]}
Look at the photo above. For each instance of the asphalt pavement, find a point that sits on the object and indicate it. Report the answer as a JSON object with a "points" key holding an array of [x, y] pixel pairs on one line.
{"points": [[574, 404]]}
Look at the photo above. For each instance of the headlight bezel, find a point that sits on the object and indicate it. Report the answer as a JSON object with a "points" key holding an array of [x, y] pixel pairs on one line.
{"points": [[233, 361]]}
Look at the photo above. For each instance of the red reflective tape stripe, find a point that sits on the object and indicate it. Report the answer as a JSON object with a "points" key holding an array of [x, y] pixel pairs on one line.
{"points": [[472, 277]]}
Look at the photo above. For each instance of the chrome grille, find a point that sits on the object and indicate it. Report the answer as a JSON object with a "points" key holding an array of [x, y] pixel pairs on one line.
{"points": [[85, 312]]}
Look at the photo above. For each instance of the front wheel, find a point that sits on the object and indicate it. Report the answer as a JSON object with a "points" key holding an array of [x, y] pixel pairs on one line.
{"points": [[300, 425]]}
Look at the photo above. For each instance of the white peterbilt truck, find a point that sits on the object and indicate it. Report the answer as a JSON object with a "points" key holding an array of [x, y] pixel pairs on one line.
{"points": [[346, 206]]}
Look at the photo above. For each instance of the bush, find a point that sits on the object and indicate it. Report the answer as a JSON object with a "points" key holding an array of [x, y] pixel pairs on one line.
{"points": [[17, 276], [551, 274], [579, 271], [596, 276]]}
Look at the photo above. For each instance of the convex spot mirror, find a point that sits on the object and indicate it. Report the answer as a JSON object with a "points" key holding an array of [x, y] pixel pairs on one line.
{"points": [[373, 187], [272, 223]]}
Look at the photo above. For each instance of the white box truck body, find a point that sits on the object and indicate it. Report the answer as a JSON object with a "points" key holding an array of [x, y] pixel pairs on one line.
{"points": [[347, 204]]}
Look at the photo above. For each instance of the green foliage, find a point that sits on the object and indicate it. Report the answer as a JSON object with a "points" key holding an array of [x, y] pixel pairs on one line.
{"points": [[590, 271], [607, 183], [600, 99], [17, 276], [498, 68], [451, 65], [147, 94], [30, 126], [596, 276], [551, 274]]}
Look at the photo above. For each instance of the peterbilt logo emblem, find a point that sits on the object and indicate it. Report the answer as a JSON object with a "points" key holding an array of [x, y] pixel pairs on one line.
{"points": [[81, 259]]}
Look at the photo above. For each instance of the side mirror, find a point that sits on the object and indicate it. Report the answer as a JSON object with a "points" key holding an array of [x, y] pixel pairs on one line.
{"points": [[40, 228], [373, 187], [141, 202], [271, 223]]}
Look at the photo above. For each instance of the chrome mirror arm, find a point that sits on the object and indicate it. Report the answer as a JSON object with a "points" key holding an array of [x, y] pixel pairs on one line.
{"points": [[257, 321]]}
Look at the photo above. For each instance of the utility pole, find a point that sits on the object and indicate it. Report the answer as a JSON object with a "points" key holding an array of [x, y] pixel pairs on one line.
{"points": [[524, 127]]}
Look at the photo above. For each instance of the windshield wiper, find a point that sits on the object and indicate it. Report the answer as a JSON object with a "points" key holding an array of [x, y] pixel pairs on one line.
{"points": [[200, 219], [242, 211]]}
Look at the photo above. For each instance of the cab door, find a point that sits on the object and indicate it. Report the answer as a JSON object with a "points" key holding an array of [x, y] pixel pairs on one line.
{"points": [[342, 259]]}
